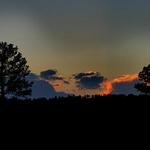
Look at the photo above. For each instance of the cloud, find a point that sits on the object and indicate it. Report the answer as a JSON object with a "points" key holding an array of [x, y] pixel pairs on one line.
{"points": [[48, 74], [106, 88], [85, 74], [52, 75], [125, 88], [88, 80], [120, 85], [42, 88], [66, 82]]}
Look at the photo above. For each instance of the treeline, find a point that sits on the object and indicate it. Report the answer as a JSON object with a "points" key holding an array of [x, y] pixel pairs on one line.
{"points": [[79, 103]]}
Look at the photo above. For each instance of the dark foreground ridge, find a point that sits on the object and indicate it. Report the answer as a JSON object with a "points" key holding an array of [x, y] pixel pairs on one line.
{"points": [[77, 104]]}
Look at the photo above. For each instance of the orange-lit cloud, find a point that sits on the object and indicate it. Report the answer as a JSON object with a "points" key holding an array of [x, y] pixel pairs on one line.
{"points": [[125, 78], [107, 86], [58, 85]]}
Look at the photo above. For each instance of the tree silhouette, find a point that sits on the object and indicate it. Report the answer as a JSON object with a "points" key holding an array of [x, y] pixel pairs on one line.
{"points": [[144, 77], [13, 72]]}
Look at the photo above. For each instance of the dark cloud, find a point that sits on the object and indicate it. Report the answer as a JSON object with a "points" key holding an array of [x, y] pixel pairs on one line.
{"points": [[56, 78], [84, 74], [88, 80], [66, 82], [125, 88], [42, 88], [52, 75], [48, 74]]}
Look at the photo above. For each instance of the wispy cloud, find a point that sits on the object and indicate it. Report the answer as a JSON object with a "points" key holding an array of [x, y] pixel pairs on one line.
{"points": [[121, 85]]}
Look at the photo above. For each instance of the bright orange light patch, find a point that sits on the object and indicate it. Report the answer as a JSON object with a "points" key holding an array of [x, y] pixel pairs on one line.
{"points": [[106, 88]]}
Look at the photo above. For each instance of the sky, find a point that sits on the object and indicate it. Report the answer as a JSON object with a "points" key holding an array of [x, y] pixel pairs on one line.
{"points": [[75, 36]]}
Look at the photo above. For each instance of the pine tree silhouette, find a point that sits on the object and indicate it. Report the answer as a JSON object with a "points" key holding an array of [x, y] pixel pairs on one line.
{"points": [[13, 72], [144, 77]]}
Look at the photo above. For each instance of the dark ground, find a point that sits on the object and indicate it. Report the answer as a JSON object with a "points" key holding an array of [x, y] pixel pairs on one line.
{"points": [[106, 117]]}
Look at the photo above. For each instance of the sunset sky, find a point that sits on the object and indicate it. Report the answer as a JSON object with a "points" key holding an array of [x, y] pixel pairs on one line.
{"points": [[109, 37]]}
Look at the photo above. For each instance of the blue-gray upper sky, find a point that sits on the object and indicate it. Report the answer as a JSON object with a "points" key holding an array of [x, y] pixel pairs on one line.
{"points": [[109, 36]]}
